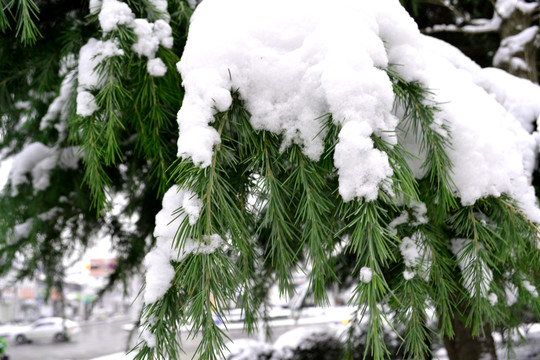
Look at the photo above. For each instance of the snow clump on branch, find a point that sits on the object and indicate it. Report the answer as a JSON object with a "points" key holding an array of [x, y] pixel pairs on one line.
{"points": [[477, 275], [159, 270], [492, 152], [39, 160], [90, 56], [291, 68], [150, 36]]}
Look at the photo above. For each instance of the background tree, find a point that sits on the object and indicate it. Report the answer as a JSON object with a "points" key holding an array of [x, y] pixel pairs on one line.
{"points": [[336, 139], [501, 33], [67, 168]]}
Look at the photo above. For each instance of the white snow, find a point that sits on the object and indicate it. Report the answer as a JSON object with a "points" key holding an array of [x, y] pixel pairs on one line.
{"points": [[479, 26], [159, 270], [505, 8], [149, 37], [511, 292], [473, 269], [493, 299], [419, 210], [114, 13], [41, 172], [163, 32], [530, 288], [161, 7], [94, 6], [491, 152], [193, 3], [366, 274], [359, 178], [148, 337], [246, 349], [408, 275], [409, 251], [297, 338], [293, 67], [68, 158], [417, 257], [156, 67], [518, 96], [513, 45], [90, 56], [146, 44], [59, 107], [403, 218], [38, 160], [22, 230], [28, 161]]}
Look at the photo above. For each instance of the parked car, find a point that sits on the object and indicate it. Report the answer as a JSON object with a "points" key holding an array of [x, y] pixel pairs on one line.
{"points": [[51, 328]]}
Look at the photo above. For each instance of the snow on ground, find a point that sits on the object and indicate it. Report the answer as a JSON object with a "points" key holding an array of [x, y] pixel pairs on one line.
{"points": [[523, 350], [117, 356]]}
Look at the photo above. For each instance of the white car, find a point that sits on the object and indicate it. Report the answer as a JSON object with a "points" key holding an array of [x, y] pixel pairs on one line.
{"points": [[51, 328]]}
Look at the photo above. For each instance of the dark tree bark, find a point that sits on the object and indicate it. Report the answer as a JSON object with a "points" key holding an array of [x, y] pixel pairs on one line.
{"points": [[463, 346], [513, 25]]}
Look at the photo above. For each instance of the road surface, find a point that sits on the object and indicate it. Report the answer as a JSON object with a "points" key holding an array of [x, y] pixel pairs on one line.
{"points": [[107, 337]]}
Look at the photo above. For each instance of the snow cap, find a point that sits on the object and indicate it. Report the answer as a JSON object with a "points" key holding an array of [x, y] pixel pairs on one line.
{"points": [[291, 68]]}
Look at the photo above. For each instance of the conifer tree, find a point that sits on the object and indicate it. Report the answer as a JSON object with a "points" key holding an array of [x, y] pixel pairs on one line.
{"points": [[333, 138]]}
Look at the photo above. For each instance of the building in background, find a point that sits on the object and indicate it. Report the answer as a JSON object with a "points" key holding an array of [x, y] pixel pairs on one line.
{"points": [[25, 301]]}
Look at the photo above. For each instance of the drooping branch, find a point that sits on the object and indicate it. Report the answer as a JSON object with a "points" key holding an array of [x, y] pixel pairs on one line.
{"points": [[474, 26]]}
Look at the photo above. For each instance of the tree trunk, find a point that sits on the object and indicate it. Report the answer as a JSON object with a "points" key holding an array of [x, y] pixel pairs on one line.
{"points": [[463, 346], [515, 56]]}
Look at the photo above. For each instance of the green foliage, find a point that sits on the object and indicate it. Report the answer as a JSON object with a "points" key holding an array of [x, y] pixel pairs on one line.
{"points": [[125, 148], [24, 13]]}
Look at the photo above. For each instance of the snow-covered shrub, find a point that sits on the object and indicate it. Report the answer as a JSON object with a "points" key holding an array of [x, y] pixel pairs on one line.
{"points": [[355, 343], [314, 343], [248, 349]]}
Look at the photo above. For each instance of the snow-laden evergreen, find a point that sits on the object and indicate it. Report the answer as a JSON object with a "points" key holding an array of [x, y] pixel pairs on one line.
{"points": [[311, 63], [333, 138]]}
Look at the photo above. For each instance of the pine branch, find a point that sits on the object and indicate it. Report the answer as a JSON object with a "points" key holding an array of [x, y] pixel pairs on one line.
{"points": [[404, 185], [412, 313], [111, 98], [161, 324], [92, 151], [273, 203], [211, 284], [418, 118], [26, 28], [371, 242], [310, 195], [4, 22]]}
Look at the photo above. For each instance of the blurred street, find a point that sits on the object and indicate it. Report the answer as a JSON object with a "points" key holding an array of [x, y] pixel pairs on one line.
{"points": [[95, 339], [100, 338]]}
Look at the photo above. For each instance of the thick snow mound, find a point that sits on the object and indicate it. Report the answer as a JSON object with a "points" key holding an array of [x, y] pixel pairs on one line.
{"points": [[247, 349], [492, 152], [177, 204], [294, 66]]}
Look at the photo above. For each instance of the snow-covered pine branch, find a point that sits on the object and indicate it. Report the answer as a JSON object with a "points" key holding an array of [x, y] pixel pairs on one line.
{"points": [[334, 138]]}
